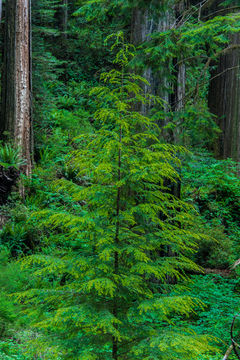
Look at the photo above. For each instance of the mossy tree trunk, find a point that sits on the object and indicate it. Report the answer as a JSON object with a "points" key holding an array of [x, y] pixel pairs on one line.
{"points": [[144, 24], [16, 80]]}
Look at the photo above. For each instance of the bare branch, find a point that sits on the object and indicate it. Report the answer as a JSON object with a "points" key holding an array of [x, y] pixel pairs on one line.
{"points": [[236, 264], [234, 344], [229, 350]]}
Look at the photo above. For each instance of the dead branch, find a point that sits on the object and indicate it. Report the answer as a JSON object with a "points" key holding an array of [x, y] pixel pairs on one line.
{"points": [[234, 343], [229, 350]]}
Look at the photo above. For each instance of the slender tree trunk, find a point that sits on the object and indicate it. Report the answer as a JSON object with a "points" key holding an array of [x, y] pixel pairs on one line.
{"points": [[16, 89], [116, 256], [0, 10], [65, 18]]}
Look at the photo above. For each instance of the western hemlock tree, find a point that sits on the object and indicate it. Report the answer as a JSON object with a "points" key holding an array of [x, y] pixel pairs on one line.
{"points": [[111, 272]]}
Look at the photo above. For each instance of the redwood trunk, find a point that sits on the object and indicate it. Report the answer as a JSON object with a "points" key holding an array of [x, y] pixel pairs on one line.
{"points": [[144, 24], [16, 95], [224, 102]]}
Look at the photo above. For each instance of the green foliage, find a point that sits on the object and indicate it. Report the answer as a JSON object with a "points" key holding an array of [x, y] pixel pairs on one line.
{"points": [[110, 246], [11, 279], [196, 46], [10, 157], [11, 350], [221, 298], [213, 188], [102, 286], [19, 238]]}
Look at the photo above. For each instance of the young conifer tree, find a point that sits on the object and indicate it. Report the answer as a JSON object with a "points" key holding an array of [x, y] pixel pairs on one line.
{"points": [[114, 270]]}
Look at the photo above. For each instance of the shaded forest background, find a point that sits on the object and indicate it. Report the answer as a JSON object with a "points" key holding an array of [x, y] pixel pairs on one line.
{"points": [[54, 53]]}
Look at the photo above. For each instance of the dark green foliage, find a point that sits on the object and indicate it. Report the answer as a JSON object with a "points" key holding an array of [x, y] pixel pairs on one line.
{"points": [[221, 298], [105, 292], [213, 187], [10, 157], [196, 45], [11, 279], [105, 247], [20, 238]]}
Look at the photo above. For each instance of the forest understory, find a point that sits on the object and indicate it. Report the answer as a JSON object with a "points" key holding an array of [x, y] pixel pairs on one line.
{"points": [[119, 180]]}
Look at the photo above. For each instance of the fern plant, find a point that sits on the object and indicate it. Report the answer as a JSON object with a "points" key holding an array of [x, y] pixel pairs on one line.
{"points": [[10, 157], [105, 288]]}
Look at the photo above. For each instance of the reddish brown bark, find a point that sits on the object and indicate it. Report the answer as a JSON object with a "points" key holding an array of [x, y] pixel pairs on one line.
{"points": [[16, 96]]}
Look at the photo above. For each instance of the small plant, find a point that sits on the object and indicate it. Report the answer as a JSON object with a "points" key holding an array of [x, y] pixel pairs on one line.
{"points": [[10, 157]]}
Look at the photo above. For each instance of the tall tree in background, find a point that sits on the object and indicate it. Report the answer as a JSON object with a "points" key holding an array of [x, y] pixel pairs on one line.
{"points": [[16, 82], [224, 93], [147, 19]]}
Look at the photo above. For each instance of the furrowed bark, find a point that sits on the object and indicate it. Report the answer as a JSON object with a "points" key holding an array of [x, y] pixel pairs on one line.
{"points": [[16, 93], [224, 102], [224, 99], [22, 126], [144, 24]]}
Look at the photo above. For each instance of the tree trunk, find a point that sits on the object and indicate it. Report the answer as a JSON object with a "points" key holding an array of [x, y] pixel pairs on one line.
{"points": [[143, 26], [224, 102], [224, 97], [16, 87], [65, 18], [0, 10]]}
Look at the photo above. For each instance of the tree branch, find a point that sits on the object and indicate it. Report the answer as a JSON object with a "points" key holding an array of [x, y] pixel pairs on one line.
{"points": [[229, 350], [210, 59]]}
